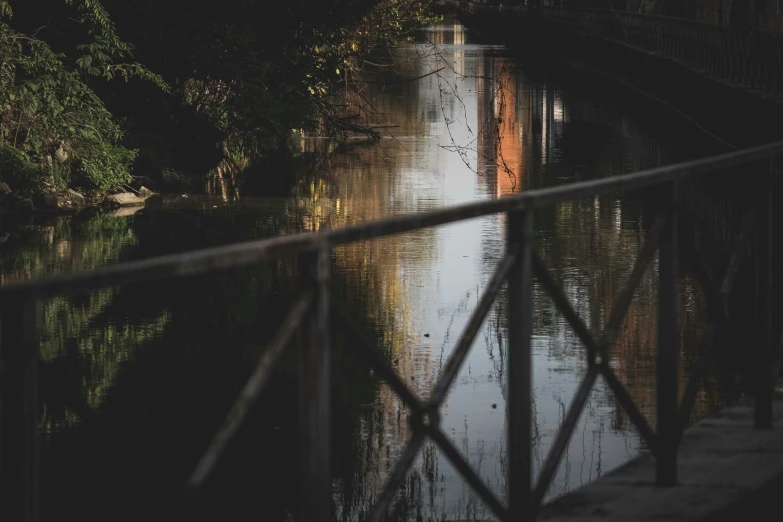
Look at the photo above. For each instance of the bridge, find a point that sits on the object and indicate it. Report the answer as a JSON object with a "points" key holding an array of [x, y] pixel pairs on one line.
{"points": [[687, 473], [750, 60]]}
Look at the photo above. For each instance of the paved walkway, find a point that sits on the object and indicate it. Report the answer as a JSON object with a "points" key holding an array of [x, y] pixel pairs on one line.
{"points": [[727, 471]]}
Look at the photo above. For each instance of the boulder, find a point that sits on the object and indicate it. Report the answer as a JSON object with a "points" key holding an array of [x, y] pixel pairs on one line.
{"points": [[144, 192], [75, 198], [124, 199], [67, 200]]}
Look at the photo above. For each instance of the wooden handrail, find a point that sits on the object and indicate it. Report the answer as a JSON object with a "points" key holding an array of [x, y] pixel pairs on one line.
{"points": [[245, 253]]}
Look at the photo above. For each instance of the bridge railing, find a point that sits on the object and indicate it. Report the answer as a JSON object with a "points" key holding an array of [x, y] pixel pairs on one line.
{"points": [[752, 58], [316, 312]]}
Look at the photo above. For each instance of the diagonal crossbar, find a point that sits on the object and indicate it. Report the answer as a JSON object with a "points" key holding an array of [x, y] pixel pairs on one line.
{"points": [[457, 358], [376, 360], [619, 309], [253, 388], [626, 401], [563, 437], [697, 375], [717, 301], [397, 476], [467, 472], [562, 303], [469, 334], [719, 321], [367, 350], [738, 255], [617, 315], [625, 295]]}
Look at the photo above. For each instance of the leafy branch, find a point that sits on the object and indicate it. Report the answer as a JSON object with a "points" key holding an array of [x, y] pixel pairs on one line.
{"points": [[49, 116]]}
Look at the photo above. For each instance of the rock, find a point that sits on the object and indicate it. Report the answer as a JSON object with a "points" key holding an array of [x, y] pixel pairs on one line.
{"points": [[61, 154], [76, 198], [68, 200], [144, 192], [125, 199]]}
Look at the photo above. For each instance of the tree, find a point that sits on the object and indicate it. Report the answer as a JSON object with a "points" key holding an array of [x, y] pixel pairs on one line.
{"points": [[233, 81], [54, 129]]}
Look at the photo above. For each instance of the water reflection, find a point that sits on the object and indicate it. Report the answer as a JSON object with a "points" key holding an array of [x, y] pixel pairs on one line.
{"points": [[139, 378], [507, 128]]}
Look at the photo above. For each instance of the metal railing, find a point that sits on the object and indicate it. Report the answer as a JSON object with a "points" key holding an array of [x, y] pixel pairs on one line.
{"points": [[315, 310], [752, 58]]}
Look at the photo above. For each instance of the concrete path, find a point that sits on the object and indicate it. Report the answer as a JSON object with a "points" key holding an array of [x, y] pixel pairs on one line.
{"points": [[727, 471]]}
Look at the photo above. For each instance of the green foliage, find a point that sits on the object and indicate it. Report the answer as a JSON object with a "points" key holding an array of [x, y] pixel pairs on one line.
{"points": [[236, 80], [19, 171], [107, 165], [56, 125], [255, 74]]}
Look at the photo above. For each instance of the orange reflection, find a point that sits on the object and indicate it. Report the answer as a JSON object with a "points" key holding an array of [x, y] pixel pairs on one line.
{"points": [[500, 149]]}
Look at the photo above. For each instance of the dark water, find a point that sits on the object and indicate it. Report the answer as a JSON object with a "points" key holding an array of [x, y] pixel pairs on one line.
{"points": [[137, 379]]}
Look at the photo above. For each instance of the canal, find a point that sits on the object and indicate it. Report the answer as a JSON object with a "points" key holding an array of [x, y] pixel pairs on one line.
{"points": [[136, 380]]}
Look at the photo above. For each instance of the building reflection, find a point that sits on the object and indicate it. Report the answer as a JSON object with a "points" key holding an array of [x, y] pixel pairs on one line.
{"points": [[501, 158]]}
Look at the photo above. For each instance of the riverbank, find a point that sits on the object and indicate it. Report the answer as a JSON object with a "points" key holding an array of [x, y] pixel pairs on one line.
{"points": [[103, 115], [69, 200]]}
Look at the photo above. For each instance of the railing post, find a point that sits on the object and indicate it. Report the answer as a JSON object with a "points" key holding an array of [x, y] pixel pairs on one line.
{"points": [[18, 411], [314, 392], [764, 379], [666, 463], [519, 406]]}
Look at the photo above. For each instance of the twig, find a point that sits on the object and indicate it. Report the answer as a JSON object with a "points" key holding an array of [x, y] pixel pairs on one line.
{"points": [[407, 80]]}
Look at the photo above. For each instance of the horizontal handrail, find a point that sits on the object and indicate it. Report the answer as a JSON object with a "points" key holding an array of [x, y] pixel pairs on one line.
{"points": [[241, 254]]}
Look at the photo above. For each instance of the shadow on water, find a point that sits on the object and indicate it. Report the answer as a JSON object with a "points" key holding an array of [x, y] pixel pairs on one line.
{"points": [[135, 380]]}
